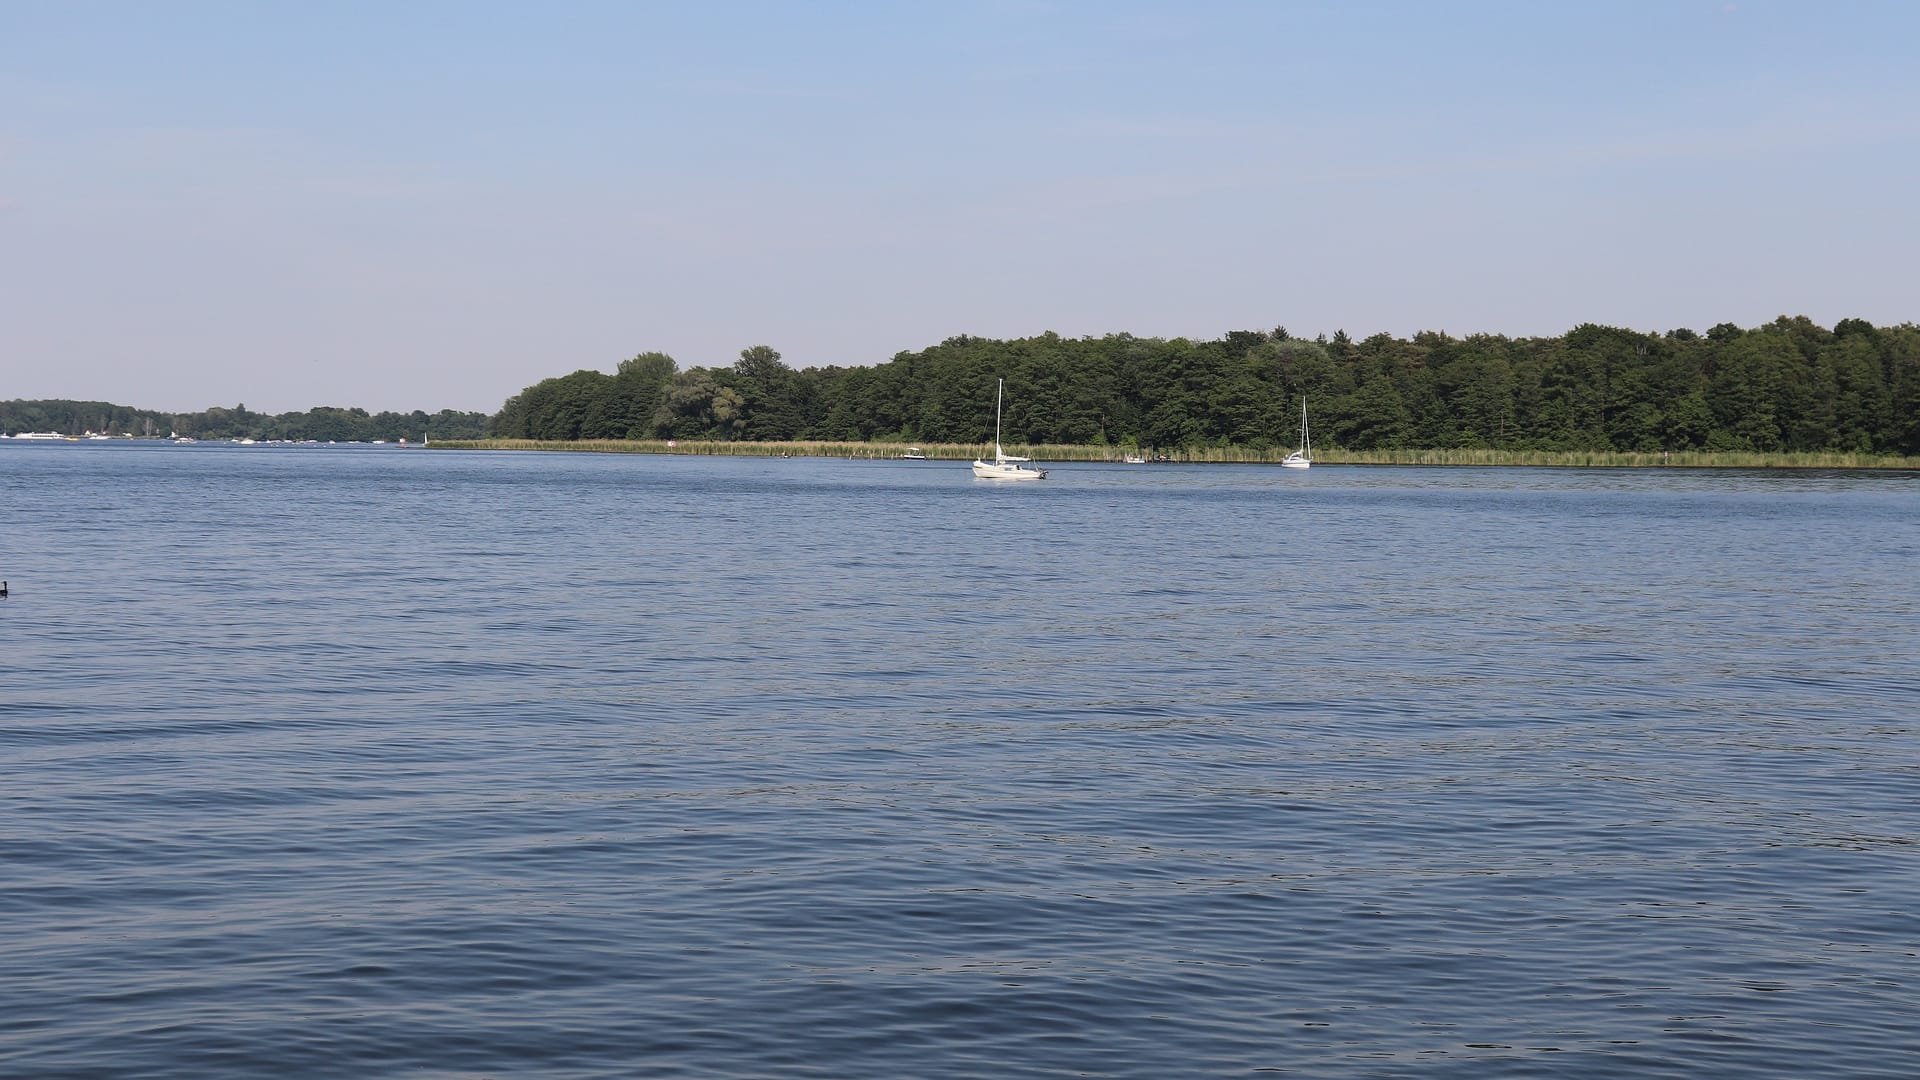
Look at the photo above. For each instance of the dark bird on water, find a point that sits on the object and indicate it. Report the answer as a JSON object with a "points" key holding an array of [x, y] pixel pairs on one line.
{"points": [[3, 588]]}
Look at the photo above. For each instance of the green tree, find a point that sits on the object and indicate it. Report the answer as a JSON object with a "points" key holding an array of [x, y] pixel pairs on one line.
{"points": [[698, 404], [639, 385], [1745, 391], [767, 387]]}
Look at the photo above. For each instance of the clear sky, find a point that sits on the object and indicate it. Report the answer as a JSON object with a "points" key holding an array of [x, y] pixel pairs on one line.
{"points": [[404, 204]]}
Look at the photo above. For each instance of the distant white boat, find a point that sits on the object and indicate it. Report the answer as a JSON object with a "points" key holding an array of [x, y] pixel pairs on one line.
{"points": [[1303, 457], [1004, 466], [1134, 459], [913, 453], [41, 435]]}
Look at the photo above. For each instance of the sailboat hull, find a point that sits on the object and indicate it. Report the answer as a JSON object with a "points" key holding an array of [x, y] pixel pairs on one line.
{"points": [[998, 470]]}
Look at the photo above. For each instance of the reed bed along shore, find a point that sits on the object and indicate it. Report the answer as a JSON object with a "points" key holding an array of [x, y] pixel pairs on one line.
{"points": [[1580, 459]]}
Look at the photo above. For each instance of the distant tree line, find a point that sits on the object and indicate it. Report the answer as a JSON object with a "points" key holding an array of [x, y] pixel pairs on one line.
{"points": [[324, 424], [1790, 385]]}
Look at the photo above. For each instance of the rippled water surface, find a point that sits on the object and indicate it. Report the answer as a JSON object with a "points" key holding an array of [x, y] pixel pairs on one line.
{"points": [[330, 762]]}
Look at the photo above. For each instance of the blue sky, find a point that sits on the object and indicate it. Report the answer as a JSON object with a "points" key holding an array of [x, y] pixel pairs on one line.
{"points": [[432, 205]]}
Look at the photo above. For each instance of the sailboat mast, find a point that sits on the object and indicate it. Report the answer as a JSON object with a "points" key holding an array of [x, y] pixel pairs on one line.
{"points": [[997, 391]]}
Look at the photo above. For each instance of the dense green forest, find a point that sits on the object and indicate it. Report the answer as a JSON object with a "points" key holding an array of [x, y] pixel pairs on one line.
{"points": [[323, 424], [1790, 385]]}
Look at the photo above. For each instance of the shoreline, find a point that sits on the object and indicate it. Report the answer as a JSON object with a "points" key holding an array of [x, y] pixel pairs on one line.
{"points": [[1577, 459]]}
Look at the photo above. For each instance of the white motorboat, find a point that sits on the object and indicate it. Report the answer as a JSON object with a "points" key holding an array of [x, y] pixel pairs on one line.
{"points": [[1004, 466]]}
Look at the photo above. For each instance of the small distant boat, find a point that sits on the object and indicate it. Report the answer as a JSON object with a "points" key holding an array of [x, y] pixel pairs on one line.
{"points": [[1303, 457], [44, 435], [1134, 459], [1004, 466], [913, 453]]}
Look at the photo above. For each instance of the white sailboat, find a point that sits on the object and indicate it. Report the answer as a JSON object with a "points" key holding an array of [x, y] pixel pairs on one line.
{"points": [[1004, 466], [1303, 457]]}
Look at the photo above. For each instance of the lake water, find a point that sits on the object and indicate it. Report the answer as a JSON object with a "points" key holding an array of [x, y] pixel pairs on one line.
{"points": [[370, 762]]}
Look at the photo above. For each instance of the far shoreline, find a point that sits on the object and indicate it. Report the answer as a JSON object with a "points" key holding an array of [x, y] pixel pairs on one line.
{"points": [[1582, 459]]}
